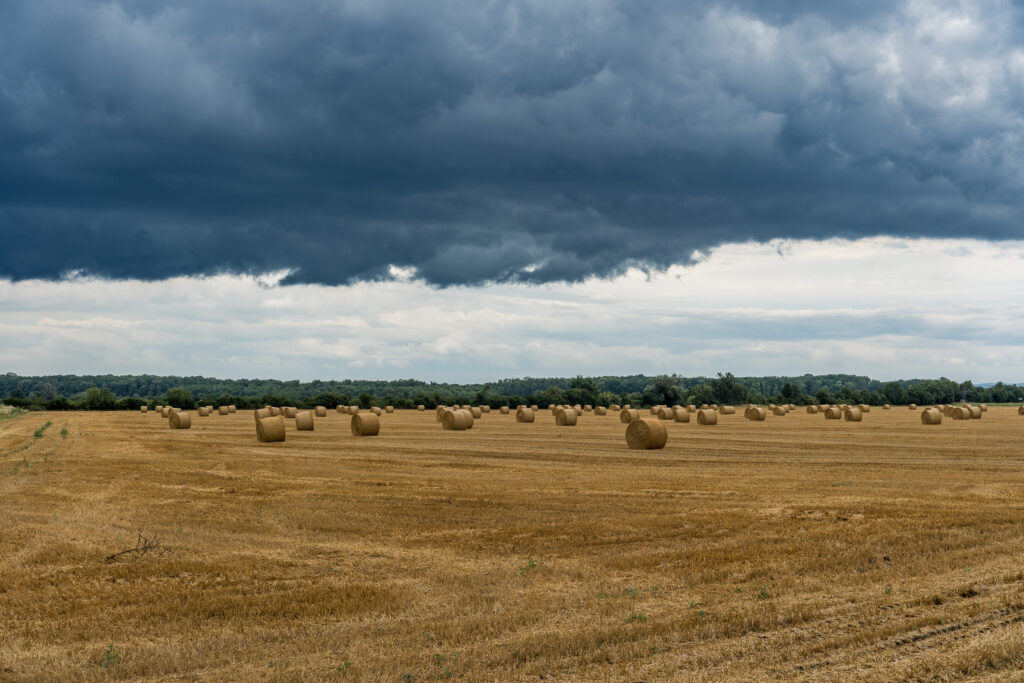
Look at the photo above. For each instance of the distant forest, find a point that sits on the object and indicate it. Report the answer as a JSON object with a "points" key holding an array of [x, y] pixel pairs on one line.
{"points": [[129, 392]]}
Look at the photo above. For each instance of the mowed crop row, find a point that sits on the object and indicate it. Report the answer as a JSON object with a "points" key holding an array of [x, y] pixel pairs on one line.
{"points": [[790, 548]]}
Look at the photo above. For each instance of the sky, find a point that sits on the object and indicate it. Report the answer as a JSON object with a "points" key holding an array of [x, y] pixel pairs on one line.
{"points": [[467, 191]]}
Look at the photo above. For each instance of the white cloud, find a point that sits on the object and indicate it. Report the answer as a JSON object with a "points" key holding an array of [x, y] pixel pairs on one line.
{"points": [[884, 307]]}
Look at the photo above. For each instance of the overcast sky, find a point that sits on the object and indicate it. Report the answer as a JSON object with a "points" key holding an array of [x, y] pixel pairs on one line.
{"points": [[465, 191]]}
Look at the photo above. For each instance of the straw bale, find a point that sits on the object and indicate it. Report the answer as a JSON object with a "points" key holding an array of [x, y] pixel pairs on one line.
{"points": [[646, 433], [755, 414], [269, 429], [180, 420], [566, 417], [304, 421], [365, 424], [707, 416], [524, 415]]}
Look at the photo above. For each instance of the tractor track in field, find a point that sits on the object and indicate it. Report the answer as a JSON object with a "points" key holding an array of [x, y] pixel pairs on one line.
{"points": [[919, 640]]}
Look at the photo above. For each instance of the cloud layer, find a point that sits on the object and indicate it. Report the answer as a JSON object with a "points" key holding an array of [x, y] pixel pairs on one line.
{"points": [[882, 307], [509, 141]]}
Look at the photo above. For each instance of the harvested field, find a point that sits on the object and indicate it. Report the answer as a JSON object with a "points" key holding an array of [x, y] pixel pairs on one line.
{"points": [[793, 548]]}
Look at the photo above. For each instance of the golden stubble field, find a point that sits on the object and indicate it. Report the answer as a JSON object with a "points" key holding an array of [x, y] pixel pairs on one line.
{"points": [[790, 549]]}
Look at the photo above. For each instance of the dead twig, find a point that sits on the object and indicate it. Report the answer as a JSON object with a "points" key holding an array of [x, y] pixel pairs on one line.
{"points": [[143, 545]]}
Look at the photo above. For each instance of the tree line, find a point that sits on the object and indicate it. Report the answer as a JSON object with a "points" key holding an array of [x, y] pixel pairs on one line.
{"points": [[129, 392]]}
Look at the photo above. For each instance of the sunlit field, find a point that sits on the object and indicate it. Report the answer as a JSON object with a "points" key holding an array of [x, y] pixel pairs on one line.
{"points": [[793, 548]]}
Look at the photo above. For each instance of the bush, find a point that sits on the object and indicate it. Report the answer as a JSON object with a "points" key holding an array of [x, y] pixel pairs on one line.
{"points": [[97, 398], [180, 397]]}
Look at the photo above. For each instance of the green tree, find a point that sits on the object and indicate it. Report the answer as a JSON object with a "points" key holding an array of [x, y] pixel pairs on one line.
{"points": [[584, 390], [664, 390], [180, 397], [99, 399], [726, 390]]}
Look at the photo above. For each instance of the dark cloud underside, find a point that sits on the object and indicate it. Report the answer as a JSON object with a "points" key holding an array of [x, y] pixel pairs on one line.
{"points": [[496, 141]]}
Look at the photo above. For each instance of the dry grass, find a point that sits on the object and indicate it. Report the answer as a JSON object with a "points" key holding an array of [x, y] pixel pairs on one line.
{"points": [[793, 548]]}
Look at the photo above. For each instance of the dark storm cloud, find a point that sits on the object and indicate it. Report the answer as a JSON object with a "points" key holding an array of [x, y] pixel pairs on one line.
{"points": [[515, 140]]}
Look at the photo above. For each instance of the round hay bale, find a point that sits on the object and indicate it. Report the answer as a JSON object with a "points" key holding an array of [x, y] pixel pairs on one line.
{"points": [[682, 415], [886, 406], [206, 412], [755, 414], [780, 411], [655, 410], [960, 413], [366, 424], [477, 413], [180, 421], [1020, 410], [485, 409], [853, 415], [588, 408], [566, 417], [834, 413], [600, 410], [341, 409], [375, 410], [627, 407], [421, 408], [975, 412], [158, 408], [666, 413], [534, 407], [457, 420], [304, 421], [320, 411], [713, 406], [270, 429], [646, 433], [466, 407], [524, 415], [165, 411], [578, 410], [707, 416], [931, 416], [144, 409], [223, 410], [389, 409], [627, 415], [812, 410], [551, 406], [771, 406], [864, 407], [615, 407], [290, 412], [912, 406], [727, 410], [275, 411], [504, 410], [984, 407], [439, 412], [262, 413], [691, 408], [232, 409], [353, 410]]}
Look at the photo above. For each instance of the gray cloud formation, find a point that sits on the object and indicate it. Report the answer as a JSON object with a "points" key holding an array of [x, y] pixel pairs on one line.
{"points": [[509, 141]]}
